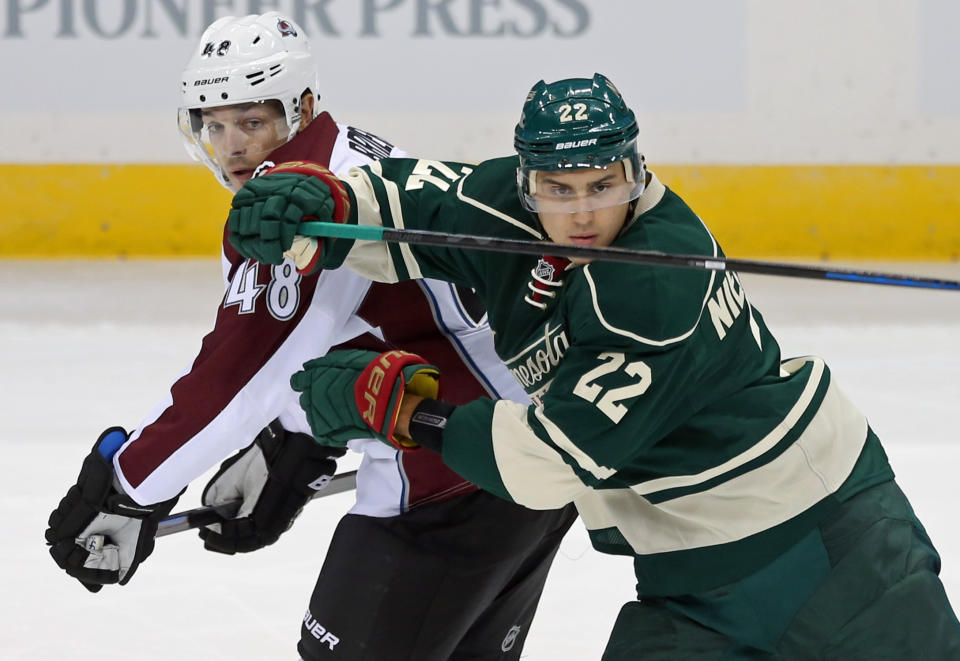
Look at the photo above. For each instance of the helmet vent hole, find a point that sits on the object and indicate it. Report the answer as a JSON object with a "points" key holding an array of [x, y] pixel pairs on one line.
{"points": [[256, 77], [275, 69], [257, 39]]}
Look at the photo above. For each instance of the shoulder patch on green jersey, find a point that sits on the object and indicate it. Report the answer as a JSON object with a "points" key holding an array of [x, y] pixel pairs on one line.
{"points": [[654, 305], [491, 188]]}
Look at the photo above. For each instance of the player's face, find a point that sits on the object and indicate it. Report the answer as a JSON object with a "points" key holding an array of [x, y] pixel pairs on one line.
{"points": [[583, 222], [242, 136]]}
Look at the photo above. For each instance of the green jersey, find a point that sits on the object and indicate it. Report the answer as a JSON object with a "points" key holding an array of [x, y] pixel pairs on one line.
{"points": [[662, 407]]}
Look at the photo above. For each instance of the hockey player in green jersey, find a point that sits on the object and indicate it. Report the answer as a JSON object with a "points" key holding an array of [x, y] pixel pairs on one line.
{"points": [[758, 505]]}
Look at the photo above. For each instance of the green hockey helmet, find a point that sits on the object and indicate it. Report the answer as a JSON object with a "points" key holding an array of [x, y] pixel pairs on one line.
{"points": [[572, 124]]}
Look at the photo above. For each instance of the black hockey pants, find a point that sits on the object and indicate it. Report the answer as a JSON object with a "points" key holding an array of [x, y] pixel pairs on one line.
{"points": [[455, 580]]}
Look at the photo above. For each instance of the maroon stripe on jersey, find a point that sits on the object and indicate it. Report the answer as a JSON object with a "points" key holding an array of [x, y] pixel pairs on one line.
{"points": [[429, 480], [241, 344], [235, 258], [405, 317], [238, 347], [315, 143]]}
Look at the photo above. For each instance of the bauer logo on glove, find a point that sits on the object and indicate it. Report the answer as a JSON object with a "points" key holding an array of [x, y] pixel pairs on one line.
{"points": [[354, 393], [379, 409]]}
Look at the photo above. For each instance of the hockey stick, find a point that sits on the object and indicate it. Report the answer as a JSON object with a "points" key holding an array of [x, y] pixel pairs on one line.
{"points": [[205, 516], [613, 254]]}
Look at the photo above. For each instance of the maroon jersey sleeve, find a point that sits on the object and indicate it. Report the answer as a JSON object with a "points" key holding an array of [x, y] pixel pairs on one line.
{"points": [[269, 322]]}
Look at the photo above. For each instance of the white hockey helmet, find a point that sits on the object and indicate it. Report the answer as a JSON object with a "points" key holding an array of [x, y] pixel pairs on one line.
{"points": [[255, 58]]}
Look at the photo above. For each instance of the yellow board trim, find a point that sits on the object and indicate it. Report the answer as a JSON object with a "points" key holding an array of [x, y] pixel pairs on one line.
{"points": [[826, 212], [110, 211], [818, 212]]}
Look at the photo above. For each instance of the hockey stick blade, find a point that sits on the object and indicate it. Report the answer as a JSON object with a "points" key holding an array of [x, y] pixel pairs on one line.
{"points": [[205, 516], [614, 254]]}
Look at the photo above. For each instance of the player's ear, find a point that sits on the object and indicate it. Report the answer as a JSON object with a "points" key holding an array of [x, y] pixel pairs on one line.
{"points": [[307, 104]]}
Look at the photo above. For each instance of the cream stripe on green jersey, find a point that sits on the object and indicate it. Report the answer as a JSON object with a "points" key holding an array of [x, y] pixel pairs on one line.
{"points": [[765, 445], [493, 212], [396, 212], [754, 327], [371, 258], [534, 474], [588, 276], [814, 466], [704, 469], [651, 196], [656, 190], [562, 441]]}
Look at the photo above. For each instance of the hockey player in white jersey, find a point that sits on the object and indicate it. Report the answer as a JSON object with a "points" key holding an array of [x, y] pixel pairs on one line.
{"points": [[420, 540]]}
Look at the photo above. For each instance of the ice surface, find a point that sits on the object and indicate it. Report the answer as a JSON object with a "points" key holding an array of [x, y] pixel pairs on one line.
{"points": [[85, 345]]}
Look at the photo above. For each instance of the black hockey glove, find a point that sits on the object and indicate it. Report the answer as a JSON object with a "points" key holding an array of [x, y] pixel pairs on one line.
{"points": [[273, 479], [98, 534]]}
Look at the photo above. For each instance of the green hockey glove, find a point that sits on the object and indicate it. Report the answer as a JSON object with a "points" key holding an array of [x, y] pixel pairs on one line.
{"points": [[357, 394], [268, 209]]}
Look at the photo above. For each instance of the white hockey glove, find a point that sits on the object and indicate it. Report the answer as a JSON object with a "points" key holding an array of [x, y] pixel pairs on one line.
{"points": [[98, 534], [272, 479]]}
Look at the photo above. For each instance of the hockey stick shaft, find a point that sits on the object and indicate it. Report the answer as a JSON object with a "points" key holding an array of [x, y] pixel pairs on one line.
{"points": [[205, 516], [614, 254]]}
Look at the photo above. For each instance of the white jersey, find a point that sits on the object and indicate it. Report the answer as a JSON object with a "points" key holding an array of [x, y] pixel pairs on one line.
{"points": [[272, 320]]}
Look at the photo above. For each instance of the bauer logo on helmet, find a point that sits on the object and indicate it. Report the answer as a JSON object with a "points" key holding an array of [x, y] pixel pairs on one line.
{"points": [[211, 81], [576, 143]]}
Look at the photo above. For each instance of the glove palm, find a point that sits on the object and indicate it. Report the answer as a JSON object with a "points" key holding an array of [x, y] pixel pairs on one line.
{"points": [[273, 478], [98, 534]]}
